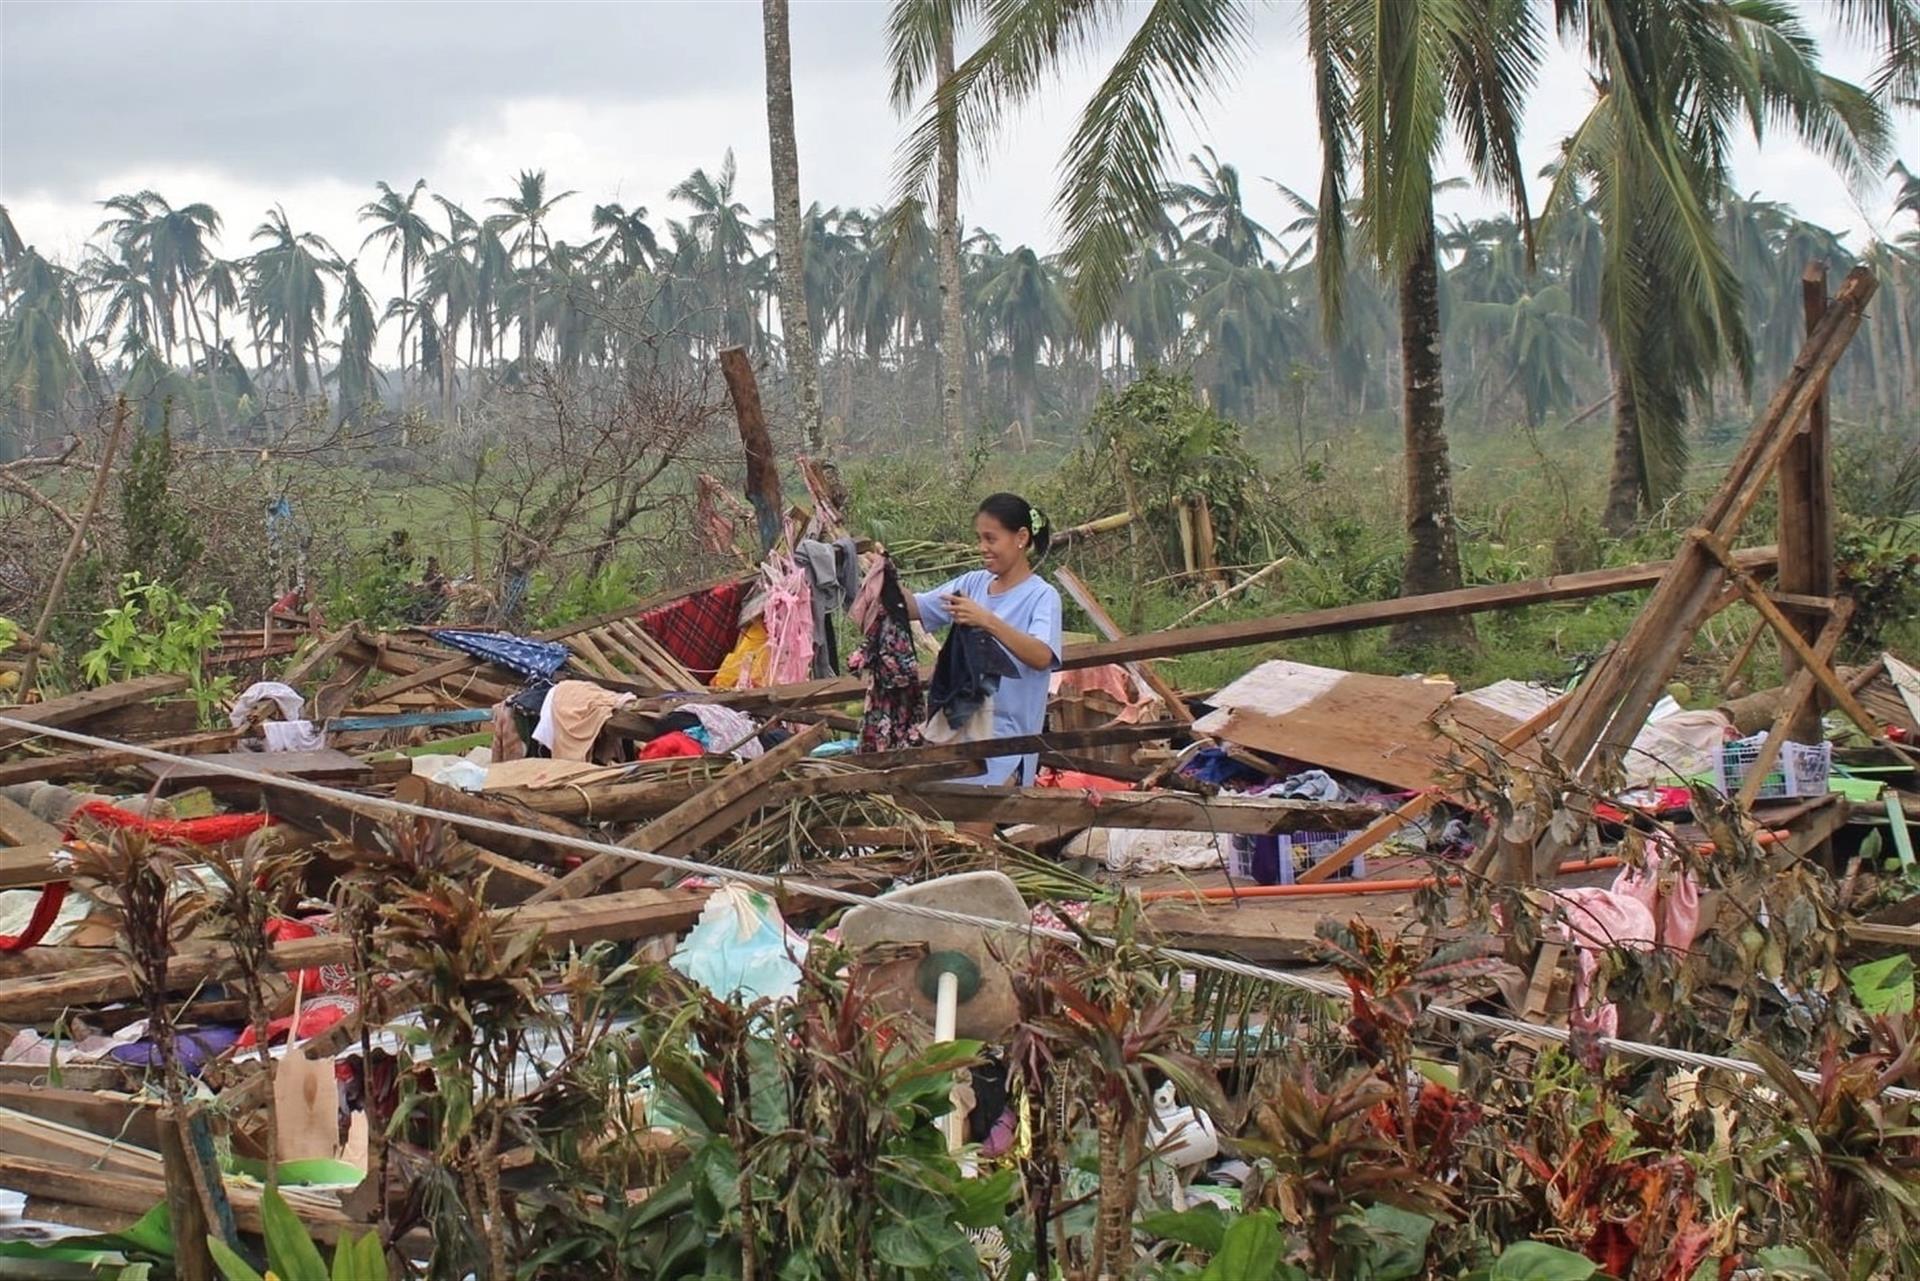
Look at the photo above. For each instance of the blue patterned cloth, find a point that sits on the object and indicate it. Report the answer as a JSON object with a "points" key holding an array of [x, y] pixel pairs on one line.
{"points": [[534, 659]]}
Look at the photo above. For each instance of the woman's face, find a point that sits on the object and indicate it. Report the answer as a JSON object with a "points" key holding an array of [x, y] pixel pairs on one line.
{"points": [[1000, 548]]}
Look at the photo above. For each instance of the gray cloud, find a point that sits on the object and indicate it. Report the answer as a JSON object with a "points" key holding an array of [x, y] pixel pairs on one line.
{"points": [[293, 90]]}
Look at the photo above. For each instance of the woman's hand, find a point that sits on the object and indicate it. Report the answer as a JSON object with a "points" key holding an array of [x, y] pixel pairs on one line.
{"points": [[968, 612]]}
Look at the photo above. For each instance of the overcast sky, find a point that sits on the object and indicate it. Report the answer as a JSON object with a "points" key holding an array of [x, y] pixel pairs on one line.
{"points": [[245, 105]]}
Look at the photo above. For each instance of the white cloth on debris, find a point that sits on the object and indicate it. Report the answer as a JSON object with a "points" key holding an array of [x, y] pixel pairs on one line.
{"points": [[1142, 852], [285, 697], [293, 736]]}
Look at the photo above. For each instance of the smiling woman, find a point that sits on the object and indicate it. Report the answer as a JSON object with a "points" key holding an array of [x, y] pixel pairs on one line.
{"points": [[1014, 607]]}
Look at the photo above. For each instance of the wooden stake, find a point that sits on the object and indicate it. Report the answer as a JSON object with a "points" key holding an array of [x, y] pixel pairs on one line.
{"points": [[31, 668], [763, 475], [1806, 516]]}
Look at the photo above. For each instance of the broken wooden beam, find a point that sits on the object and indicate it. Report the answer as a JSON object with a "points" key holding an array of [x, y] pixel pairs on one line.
{"points": [[1260, 631], [84, 705], [1160, 811], [91, 765], [1143, 673]]}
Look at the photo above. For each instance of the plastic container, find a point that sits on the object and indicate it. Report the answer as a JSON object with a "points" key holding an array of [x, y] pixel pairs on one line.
{"points": [[1801, 770], [1277, 860]]}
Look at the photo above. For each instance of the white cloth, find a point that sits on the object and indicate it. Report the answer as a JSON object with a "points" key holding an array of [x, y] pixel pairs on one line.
{"points": [[283, 696], [293, 736], [727, 728]]}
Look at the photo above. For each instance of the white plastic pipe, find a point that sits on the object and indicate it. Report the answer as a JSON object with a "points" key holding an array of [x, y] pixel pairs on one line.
{"points": [[946, 1009]]}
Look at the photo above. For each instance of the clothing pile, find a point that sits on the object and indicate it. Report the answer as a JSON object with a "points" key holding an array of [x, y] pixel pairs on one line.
{"points": [[895, 703]]}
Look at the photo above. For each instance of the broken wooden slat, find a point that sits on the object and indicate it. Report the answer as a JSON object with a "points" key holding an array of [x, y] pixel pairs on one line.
{"points": [[1160, 811], [71, 709], [721, 805], [93, 764], [1799, 690], [319, 656], [1259, 631], [326, 765], [1144, 673], [21, 826]]}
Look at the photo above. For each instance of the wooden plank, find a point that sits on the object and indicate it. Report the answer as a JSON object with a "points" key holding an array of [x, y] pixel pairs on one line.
{"points": [[492, 806], [411, 720], [1798, 691], [1143, 672], [135, 1194], [1420, 805], [583, 645], [326, 765], [1790, 637], [70, 709], [716, 807], [91, 765], [21, 826], [1806, 534], [125, 1118], [1260, 631], [1160, 811], [319, 656], [26, 866], [763, 471]]}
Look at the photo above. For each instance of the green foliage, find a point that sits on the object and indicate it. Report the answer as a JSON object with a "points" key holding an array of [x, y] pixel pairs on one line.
{"points": [[155, 629], [577, 595], [162, 540], [379, 587], [1536, 1261], [1884, 986], [1879, 566], [1171, 449], [293, 1256]]}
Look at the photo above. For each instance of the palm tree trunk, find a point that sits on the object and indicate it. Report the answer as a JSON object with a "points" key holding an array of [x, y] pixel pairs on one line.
{"points": [[406, 314], [1909, 373], [788, 244], [1882, 386], [1433, 549], [953, 332], [206, 354], [1627, 485]]}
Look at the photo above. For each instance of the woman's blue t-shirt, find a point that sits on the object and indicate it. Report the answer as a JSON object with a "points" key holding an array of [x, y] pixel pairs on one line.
{"points": [[1020, 706]]}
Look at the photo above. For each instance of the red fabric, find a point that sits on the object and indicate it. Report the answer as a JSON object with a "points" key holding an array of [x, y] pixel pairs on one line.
{"points": [[282, 929], [314, 1019], [45, 912], [1074, 780], [670, 745], [699, 630], [195, 831], [1667, 800]]}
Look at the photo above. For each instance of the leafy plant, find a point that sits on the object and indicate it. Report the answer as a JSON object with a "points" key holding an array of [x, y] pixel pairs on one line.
{"points": [[293, 1256], [153, 628], [163, 542]]}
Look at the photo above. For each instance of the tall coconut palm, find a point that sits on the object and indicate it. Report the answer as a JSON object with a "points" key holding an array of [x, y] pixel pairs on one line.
{"points": [[354, 372], [921, 50], [789, 244], [172, 244], [287, 294], [1215, 211], [1022, 301], [1673, 83], [38, 367], [628, 234], [527, 210], [723, 229], [1389, 77], [404, 230], [1539, 348]]}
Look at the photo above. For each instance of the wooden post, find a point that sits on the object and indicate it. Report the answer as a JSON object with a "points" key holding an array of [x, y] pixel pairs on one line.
{"points": [[31, 668], [763, 475], [1806, 519]]}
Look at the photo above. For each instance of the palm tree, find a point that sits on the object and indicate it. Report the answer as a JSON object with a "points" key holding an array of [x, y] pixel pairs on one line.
{"points": [[1216, 214], [1025, 312], [1906, 200], [723, 230], [1672, 83], [405, 231], [287, 293], [1389, 75], [38, 367], [789, 244], [172, 245], [526, 210], [628, 233], [354, 373], [921, 45], [1539, 345]]}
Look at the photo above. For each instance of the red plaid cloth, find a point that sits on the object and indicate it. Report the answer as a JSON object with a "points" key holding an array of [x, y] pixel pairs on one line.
{"points": [[699, 630]]}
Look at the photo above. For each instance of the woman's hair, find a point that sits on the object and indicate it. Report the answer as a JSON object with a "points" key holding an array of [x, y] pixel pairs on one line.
{"points": [[1015, 514]]}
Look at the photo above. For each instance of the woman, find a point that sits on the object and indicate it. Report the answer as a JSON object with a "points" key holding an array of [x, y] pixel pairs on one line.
{"points": [[1016, 607]]}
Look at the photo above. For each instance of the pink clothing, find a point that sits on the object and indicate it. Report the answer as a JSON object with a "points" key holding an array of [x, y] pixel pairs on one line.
{"points": [[1633, 913], [788, 614], [1116, 682]]}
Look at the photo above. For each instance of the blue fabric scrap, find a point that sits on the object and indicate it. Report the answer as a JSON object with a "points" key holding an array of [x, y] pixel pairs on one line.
{"points": [[534, 659]]}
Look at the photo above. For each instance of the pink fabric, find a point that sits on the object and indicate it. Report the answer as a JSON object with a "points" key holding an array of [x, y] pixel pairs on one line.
{"points": [[789, 619], [1115, 682], [1642, 910]]}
